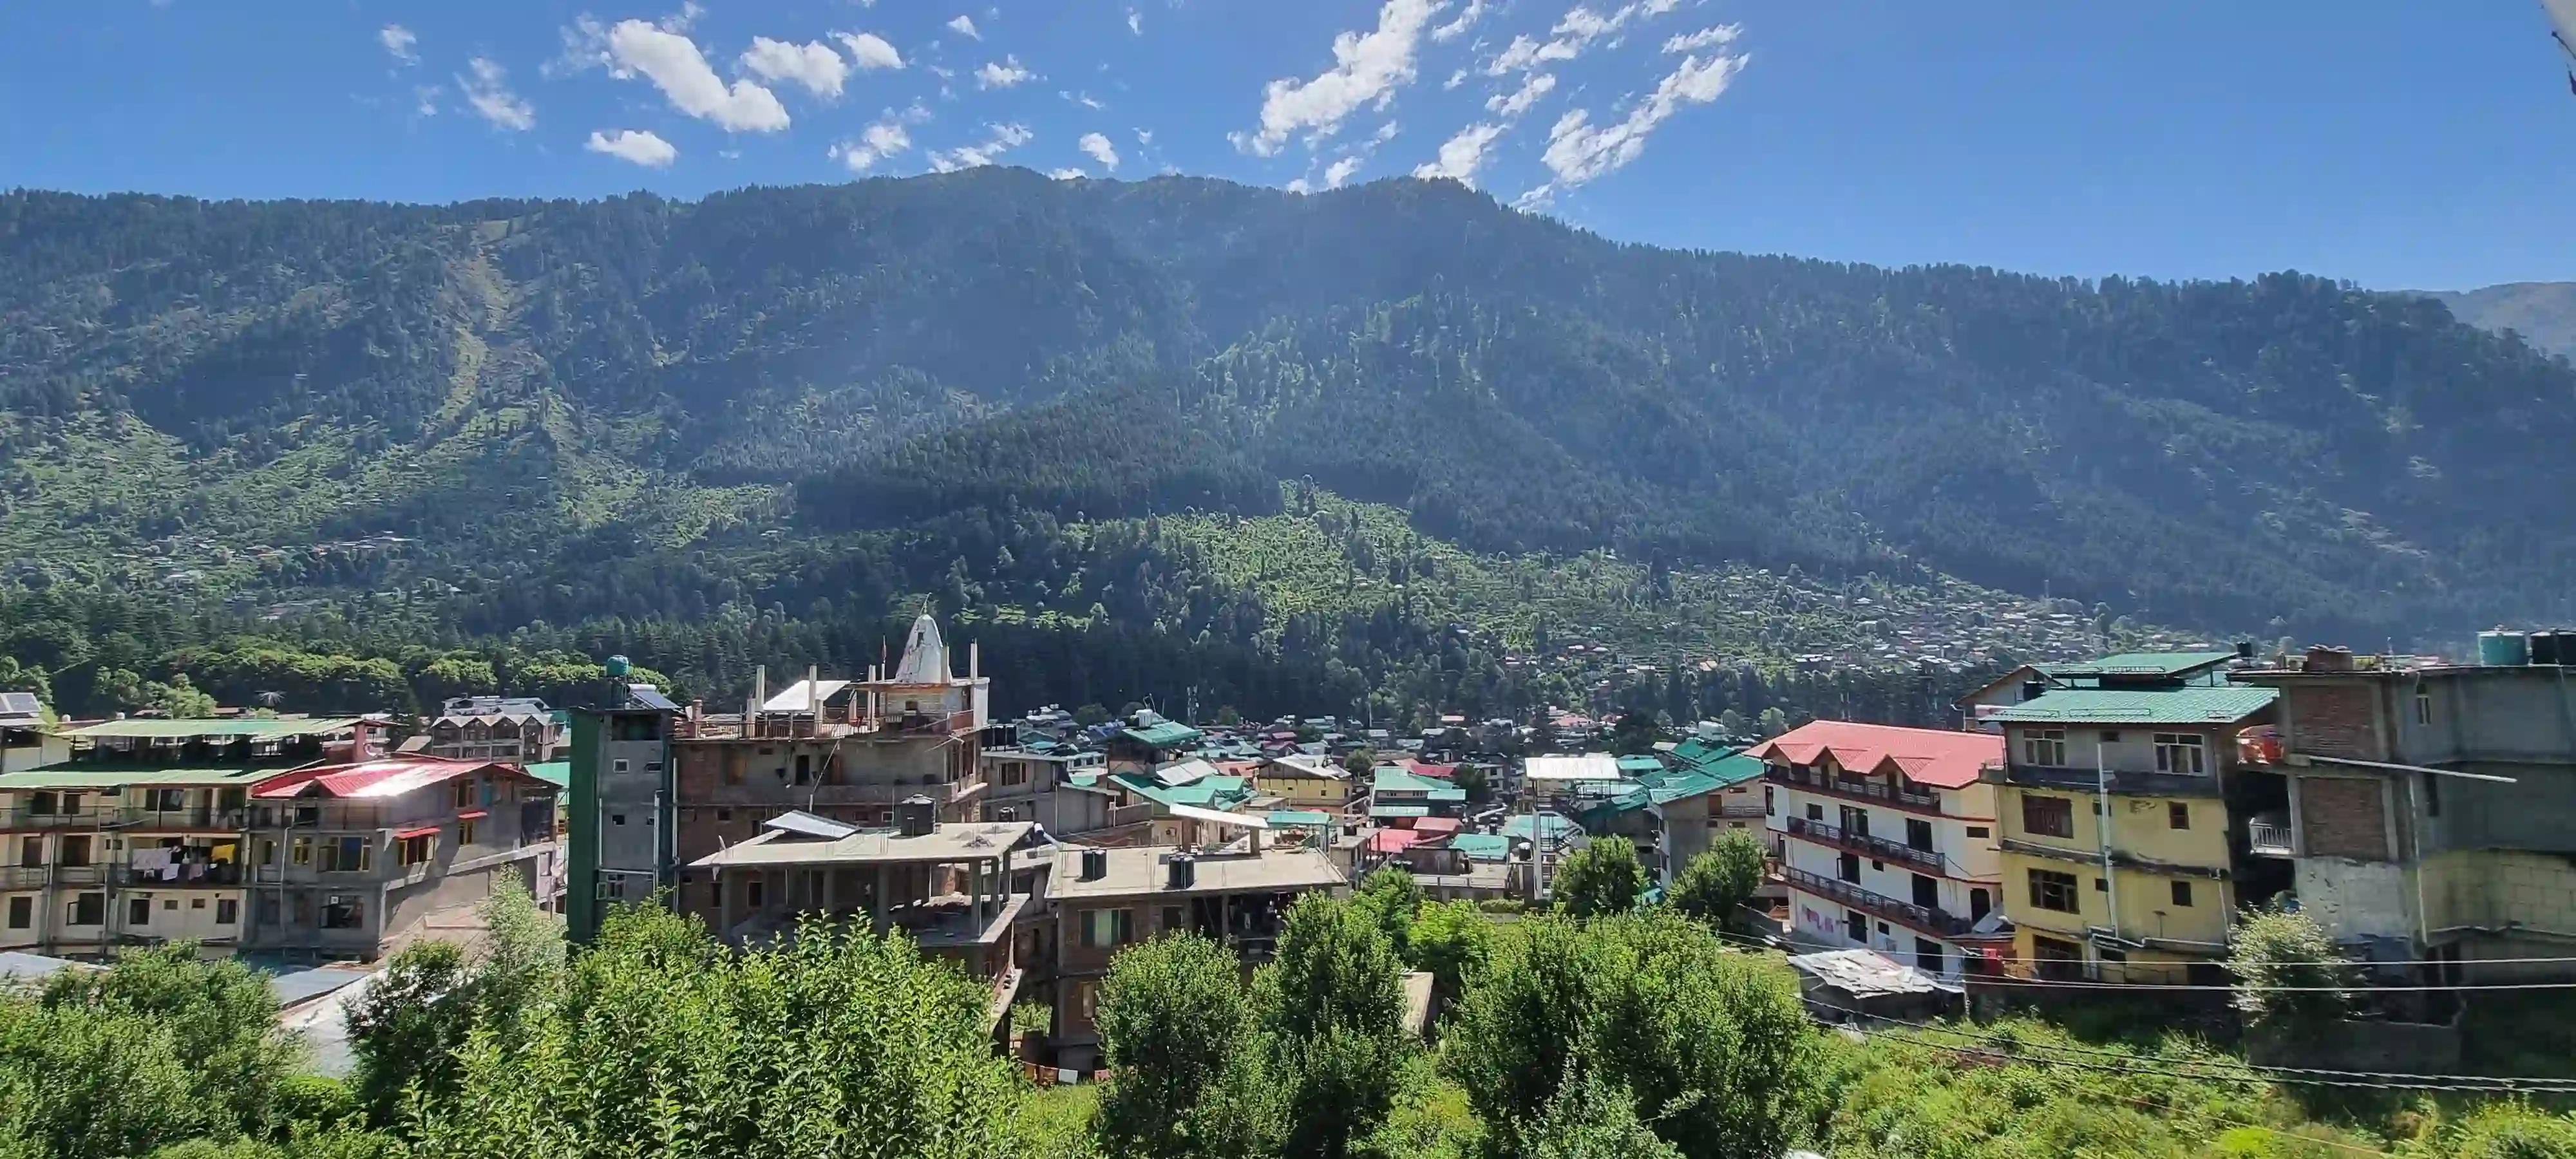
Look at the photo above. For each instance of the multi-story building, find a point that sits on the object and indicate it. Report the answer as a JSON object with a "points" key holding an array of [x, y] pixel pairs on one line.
{"points": [[1887, 839], [1022, 784], [2428, 809], [1674, 814], [139, 834], [2127, 670], [621, 826], [353, 859], [517, 729], [1304, 782], [1104, 900], [2120, 812], [25, 741]]}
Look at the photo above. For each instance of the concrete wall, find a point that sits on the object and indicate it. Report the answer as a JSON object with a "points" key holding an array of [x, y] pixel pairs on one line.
{"points": [[2148, 908], [2357, 899], [2141, 826], [178, 914]]}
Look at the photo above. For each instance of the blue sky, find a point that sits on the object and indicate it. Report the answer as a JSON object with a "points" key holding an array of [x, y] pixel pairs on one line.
{"points": [[2394, 142]]}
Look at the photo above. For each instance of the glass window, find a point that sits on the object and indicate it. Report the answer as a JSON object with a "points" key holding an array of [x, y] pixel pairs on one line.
{"points": [[2177, 815], [2045, 747], [2051, 890], [2181, 753], [2182, 894], [2043, 816]]}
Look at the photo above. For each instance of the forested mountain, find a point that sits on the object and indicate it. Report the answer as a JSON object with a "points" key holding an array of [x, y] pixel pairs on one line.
{"points": [[622, 423], [2544, 313]]}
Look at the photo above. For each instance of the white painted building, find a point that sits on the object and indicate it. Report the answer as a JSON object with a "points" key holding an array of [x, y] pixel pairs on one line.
{"points": [[1887, 840]]}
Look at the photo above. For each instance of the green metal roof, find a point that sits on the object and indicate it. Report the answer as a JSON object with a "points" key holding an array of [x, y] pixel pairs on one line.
{"points": [[2138, 664], [255, 727], [1483, 846], [119, 774], [1167, 735], [1394, 780], [1526, 824], [556, 773], [1311, 818], [1636, 766], [1204, 793], [1399, 810], [2150, 706]]}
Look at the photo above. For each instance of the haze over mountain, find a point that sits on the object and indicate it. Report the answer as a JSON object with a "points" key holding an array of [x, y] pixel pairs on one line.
{"points": [[641, 408], [2544, 313]]}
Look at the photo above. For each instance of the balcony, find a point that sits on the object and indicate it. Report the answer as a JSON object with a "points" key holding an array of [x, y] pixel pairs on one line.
{"points": [[1865, 845], [216, 819], [2119, 781], [1924, 918], [211, 875], [88, 818], [1857, 789], [2269, 836]]}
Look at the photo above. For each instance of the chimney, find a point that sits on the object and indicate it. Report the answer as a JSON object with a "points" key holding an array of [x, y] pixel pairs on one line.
{"points": [[1095, 864], [974, 659]]}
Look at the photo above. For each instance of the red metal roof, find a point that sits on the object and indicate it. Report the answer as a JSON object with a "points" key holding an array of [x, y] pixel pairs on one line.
{"points": [[1930, 756], [473, 814], [1392, 840], [421, 831], [1441, 772], [382, 777], [1430, 826]]}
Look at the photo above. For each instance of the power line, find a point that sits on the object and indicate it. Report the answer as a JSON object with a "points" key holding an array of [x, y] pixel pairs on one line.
{"points": [[1991, 980]]}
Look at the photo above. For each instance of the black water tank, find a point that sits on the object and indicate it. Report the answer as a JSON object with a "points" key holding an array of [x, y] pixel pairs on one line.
{"points": [[1095, 864], [916, 816], [2545, 647], [1184, 870]]}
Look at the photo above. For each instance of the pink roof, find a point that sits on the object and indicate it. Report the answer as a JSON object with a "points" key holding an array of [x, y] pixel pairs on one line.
{"points": [[1428, 826], [1441, 772], [384, 777], [1930, 756], [1392, 840]]}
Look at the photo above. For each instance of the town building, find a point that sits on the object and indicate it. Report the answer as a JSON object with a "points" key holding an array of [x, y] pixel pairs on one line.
{"points": [[2133, 671], [139, 835], [1024, 784], [1675, 813], [1303, 782], [622, 825], [1887, 840], [2118, 809], [517, 729], [26, 742], [2428, 809], [1104, 900], [353, 859]]}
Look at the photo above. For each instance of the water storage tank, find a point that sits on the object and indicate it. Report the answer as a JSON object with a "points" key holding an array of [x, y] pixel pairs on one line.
{"points": [[2503, 649], [2544, 648]]}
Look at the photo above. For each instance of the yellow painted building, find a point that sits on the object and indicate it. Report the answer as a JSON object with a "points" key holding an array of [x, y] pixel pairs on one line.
{"points": [[2155, 895], [1304, 782]]}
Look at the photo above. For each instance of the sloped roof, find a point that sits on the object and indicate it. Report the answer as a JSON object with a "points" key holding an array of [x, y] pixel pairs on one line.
{"points": [[803, 695], [925, 656], [556, 773], [1310, 818], [254, 727], [1436, 825], [1483, 846], [20, 706], [2166, 664], [384, 777], [1588, 767], [1392, 840], [1932, 756], [1169, 734], [2141, 706], [1525, 825], [1635, 766], [123, 774], [1388, 779]]}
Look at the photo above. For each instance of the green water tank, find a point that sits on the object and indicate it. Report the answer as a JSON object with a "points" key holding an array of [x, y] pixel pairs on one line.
{"points": [[619, 666], [2503, 649]]}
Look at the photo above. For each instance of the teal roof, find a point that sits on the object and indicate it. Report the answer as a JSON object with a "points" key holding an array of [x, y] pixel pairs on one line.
{"points": [[1204, 793], [1483, 846], [123, 775], [1448, 794], [1706, 776], [2138, 664], [1311, 818], [1394, 780], [1637, 766], [255, 727], [1526, 824], [556, 773], [2149, 706], [1167, 735], [1399, 810]]}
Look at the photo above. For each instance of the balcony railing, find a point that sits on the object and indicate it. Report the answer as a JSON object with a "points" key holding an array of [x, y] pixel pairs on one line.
{"points": [[1866, 845], [127, 875], [98, 817], [2119, 781], [2270, 836], [1857, 789], [1925, 918], [228, 820]]}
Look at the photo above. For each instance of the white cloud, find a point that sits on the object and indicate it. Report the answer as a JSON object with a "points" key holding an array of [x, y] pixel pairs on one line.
{"points": [[1301, 185], [813, 65], [1144, 136], [966, 26], [1367, 69], [1455, 79], [1573, 33], [1066, 174], [675, 66], [1340, 171], [1100, 150], [425, 100], [1004, 139], [1533, 86], [1002, 74], [1579, 151], [1718, 37], [1462, 154], [869, 50], [1086, 100], [399, 42], [877, 142], [637, 145], [1135, 22], [1467, 18], [487, 89]]}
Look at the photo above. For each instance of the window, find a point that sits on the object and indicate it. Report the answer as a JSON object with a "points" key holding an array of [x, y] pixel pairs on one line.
{"points": [[166, 800], [417, 850], [1856, 926], [138, 911], [1855, 821], [2101, 886], [22, 912], [1015, 773], [465, 831], [1918, 834], [1104, 928], [2182, 894], [1815, 812], [343, 911], [2177, 815], [617, 818], [804, 768], [2045, 747], [463, 797], [1086, 998], [1979, 904], [2180, 752], [1979, 831], [303, 854], [617, 766], [724, 814], [2432, 795], [2051, 890], [196, 903], [752, 894], [2110, 737], [1847, 867], [89, 909], [1769, 809], [171, 905], [1927, 892], [265, 852], [74, 851], [347, 855], [2423, 706], [1927, 956], [2047, 816], [40, 804], [31, 852]]}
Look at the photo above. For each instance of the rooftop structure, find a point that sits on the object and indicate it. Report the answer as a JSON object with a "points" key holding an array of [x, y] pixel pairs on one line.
{"points": [[1931, 757], [1567, 769], [2143, 707], [1143, 871]]}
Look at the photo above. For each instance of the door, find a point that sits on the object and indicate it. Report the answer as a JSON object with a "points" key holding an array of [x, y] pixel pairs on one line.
{"points": [[1928, 957], [1918, 834], [1847, 867], [1855, 822], [1856, 927], [1978, 903], [2057, 961], [1927, 892]]}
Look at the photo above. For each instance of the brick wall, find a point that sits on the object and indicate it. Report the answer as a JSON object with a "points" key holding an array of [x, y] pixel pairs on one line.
{"points": [[2343, 817], [2332, 720]]}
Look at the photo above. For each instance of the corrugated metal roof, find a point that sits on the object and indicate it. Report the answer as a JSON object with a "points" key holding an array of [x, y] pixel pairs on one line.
{"points": [[1399, 810], [1310, 818], [119, 775], [1166, 735], [2138, 664], [1588, 767], [1932, 756], [1483, 846], [255, 727], [1637, 766], [1389, 779], [556, 773], [384, 777], [2148, 706]]}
